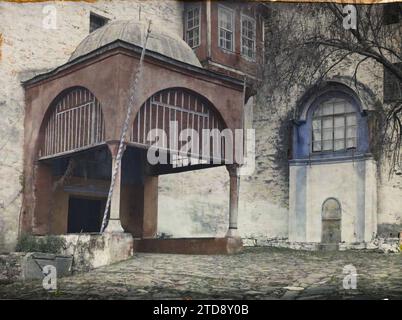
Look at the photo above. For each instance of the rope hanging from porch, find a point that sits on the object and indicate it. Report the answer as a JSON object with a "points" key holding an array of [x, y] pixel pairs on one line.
{"points": [[125, 129]]}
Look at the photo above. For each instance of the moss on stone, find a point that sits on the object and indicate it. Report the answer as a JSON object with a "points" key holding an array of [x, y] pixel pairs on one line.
{"points": [[45, 244]]}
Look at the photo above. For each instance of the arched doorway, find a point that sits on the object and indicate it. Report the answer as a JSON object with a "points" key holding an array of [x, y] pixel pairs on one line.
{"points": [[331, 221]]}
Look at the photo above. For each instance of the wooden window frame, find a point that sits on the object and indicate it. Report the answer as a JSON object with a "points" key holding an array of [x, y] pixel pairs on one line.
{"points": [[232, 13], [187, 30], [244, 17]]}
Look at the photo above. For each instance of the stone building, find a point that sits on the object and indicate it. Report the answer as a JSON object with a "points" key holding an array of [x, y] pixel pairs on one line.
{"points": [[60, 56]]}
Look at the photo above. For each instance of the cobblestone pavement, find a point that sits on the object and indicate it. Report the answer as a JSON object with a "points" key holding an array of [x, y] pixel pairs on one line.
{"points": [[257, 273]]}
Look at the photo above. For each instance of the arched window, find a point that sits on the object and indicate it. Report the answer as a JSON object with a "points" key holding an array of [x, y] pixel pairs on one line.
{"points": [[75, 122], [334, 126]]}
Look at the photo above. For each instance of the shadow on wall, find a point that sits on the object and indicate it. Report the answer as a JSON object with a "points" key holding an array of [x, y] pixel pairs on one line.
{"points": [[191, 217], [194, 203]]}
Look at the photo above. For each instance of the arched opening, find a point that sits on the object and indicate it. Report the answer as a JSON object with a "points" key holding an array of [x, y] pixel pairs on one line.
{"points": [[176, 112], [331, 125], [73, 170], [331, 221], [74, 122]]}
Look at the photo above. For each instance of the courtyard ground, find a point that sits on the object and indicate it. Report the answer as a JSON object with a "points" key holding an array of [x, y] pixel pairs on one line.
{"points": [[256, 273]]}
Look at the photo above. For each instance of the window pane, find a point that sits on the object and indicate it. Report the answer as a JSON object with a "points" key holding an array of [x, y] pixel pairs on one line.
{"points": [[317, 146], [339, 121], [339, 133], [327, 109], [193, 27], [350, 119], [351, 132], [327, 145], [317, 112], [350, 143], [334, 126], [221, 43], [316, 135], [327, 122], [225, 19], [349, 108], [339, 107], [248, 37], [339, 144], [327, 134], [316, 124]]}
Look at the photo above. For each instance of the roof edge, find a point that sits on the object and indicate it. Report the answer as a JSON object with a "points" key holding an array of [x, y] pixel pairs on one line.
{"points": [[134, 48]]}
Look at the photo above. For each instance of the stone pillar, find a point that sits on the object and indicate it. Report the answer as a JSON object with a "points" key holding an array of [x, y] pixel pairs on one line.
{"points": [[233, 200], [114, 224], [150, 217], [42, 199]]}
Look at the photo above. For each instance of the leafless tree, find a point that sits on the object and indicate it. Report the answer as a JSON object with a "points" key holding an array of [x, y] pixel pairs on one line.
{"points": [[306, 42]]}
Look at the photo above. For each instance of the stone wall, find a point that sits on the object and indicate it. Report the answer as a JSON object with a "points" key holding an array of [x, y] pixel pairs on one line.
{"points": [[267, 191], [29, 45]]}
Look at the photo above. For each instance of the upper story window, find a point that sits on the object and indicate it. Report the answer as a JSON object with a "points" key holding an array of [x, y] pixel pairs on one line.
{"points": [[192, 25], [334, 126], [248, 32], [226, 28], [392, 13], [96, 21], [392, 86]]}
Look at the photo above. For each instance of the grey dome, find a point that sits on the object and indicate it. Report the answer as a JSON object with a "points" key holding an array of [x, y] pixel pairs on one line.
{"points": [[133, 32]]}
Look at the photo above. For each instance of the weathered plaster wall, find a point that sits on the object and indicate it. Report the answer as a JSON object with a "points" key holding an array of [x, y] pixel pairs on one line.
{"points": [[270, 183], [351, 183], [194, 204], [27, 47]]}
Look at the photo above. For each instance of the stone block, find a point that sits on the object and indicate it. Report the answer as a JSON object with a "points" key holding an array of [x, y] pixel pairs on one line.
{"points": [[95, 250], [34, 262]]}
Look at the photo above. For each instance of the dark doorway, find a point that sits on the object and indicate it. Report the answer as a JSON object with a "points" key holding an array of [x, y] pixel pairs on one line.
{"points": [[84, 215]]}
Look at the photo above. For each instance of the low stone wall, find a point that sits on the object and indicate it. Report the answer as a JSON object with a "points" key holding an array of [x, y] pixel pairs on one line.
{"points": [[11, 267], [16, 266], [81, 252], [91, 251], [386, 245]]}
